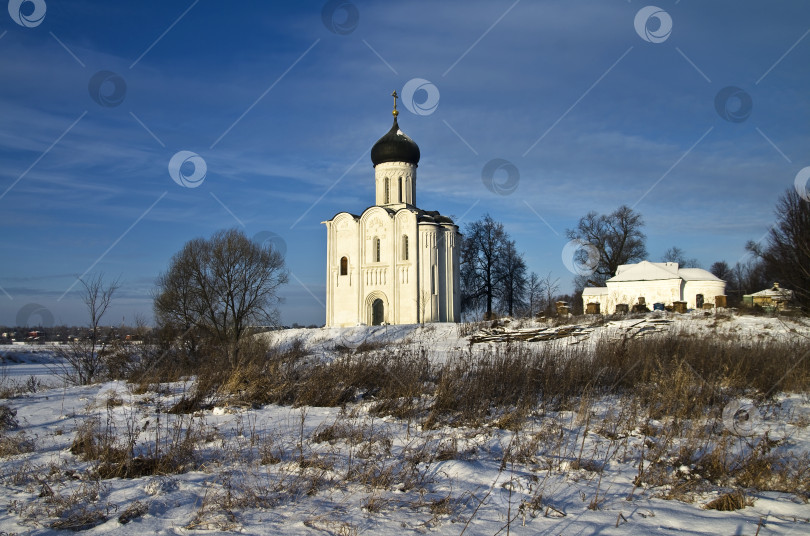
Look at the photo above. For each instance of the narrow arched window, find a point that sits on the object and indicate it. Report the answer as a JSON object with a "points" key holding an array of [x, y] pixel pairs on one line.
{"points": [[344, 266], [401, 200], [376, 250], [387, 191], [404, 247]]}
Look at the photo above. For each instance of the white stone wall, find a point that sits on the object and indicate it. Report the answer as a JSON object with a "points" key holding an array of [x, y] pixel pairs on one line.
{"points": [[663, 291], [393, 278], [343, 291], [407, 280], [709, 289], [394, 174], [601, 299]]}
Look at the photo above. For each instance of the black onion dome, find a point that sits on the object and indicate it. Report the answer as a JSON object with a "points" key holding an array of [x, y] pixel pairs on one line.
{"points": [[395, 146]]}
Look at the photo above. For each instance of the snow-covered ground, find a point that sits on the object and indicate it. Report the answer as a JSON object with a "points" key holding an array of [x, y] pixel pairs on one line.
{"points": [[445, 340], [344, 471]]}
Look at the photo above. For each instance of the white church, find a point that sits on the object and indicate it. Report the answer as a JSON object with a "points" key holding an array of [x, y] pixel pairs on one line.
{"points": [[394, 263]]}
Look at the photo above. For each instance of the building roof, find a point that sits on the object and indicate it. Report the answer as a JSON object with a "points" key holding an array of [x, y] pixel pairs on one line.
{"points": [[595, 291], [697, 274], [433, 216], [395, 146], [656, 271], [646, 271], [775, 292]]}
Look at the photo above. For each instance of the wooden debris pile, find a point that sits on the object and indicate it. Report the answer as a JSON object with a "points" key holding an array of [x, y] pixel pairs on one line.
{"points": [[500, 333], [648, 326], [504, 334]]}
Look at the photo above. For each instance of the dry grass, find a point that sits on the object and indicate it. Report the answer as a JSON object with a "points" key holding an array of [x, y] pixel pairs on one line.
{"points": [[13, 445], [675, 376], [170, 450], [8, 418], [735, 500], [75, 506], [654, 402]]}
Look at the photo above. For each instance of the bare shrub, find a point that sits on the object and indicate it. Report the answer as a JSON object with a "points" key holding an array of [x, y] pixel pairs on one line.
{"points": [[170, 450], [120, 360], [91, 442], [378, 375], [735, 500], [765, 469], [515, 378], [133, 511], [83, 359], [77, 506], [12, 445], [8, 417]]}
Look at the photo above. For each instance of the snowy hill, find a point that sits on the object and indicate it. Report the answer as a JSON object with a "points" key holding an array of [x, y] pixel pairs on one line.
{"points": [[110, 458]]}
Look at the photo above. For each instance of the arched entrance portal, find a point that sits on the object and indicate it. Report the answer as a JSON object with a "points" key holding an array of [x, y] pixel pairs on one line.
{"points": [[377, 312], [376, 309]]}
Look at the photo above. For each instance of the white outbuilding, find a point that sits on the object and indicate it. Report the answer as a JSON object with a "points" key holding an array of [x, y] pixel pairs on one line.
{"points": [[394, 263], [655, 282]]}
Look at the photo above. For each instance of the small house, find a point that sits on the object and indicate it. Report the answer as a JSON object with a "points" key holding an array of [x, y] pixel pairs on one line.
{"points": [[775, 297], [643, 285]]}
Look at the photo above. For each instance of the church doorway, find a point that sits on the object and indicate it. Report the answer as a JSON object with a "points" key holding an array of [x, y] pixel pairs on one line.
{"points": [[377, 312], [699, 301]]}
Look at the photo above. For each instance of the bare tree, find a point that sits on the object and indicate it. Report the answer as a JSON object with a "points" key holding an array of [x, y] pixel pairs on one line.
{"points": [[84, 359], [511, 276], [481, 251], [722, 270], [786, 254], [422, 302], [676, 254], [549, 288], [617, 237], [534, 293], [220, 288]]}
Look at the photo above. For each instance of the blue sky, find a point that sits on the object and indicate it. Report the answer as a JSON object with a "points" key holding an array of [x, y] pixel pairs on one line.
{"points": [[282, 103]]}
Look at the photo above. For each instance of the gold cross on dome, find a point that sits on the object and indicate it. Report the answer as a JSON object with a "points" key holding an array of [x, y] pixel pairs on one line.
{"points": [[394, 94]]}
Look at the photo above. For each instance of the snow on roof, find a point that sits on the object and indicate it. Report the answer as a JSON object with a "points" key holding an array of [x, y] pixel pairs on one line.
{"points": [[646, 271], [594, 291], [697, 274], [779, 293], [655, 271]]}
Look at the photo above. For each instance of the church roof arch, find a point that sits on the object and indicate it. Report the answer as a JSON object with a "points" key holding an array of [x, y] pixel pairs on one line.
{"points": [[342, 216], [378, 211], [406, 215]]}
